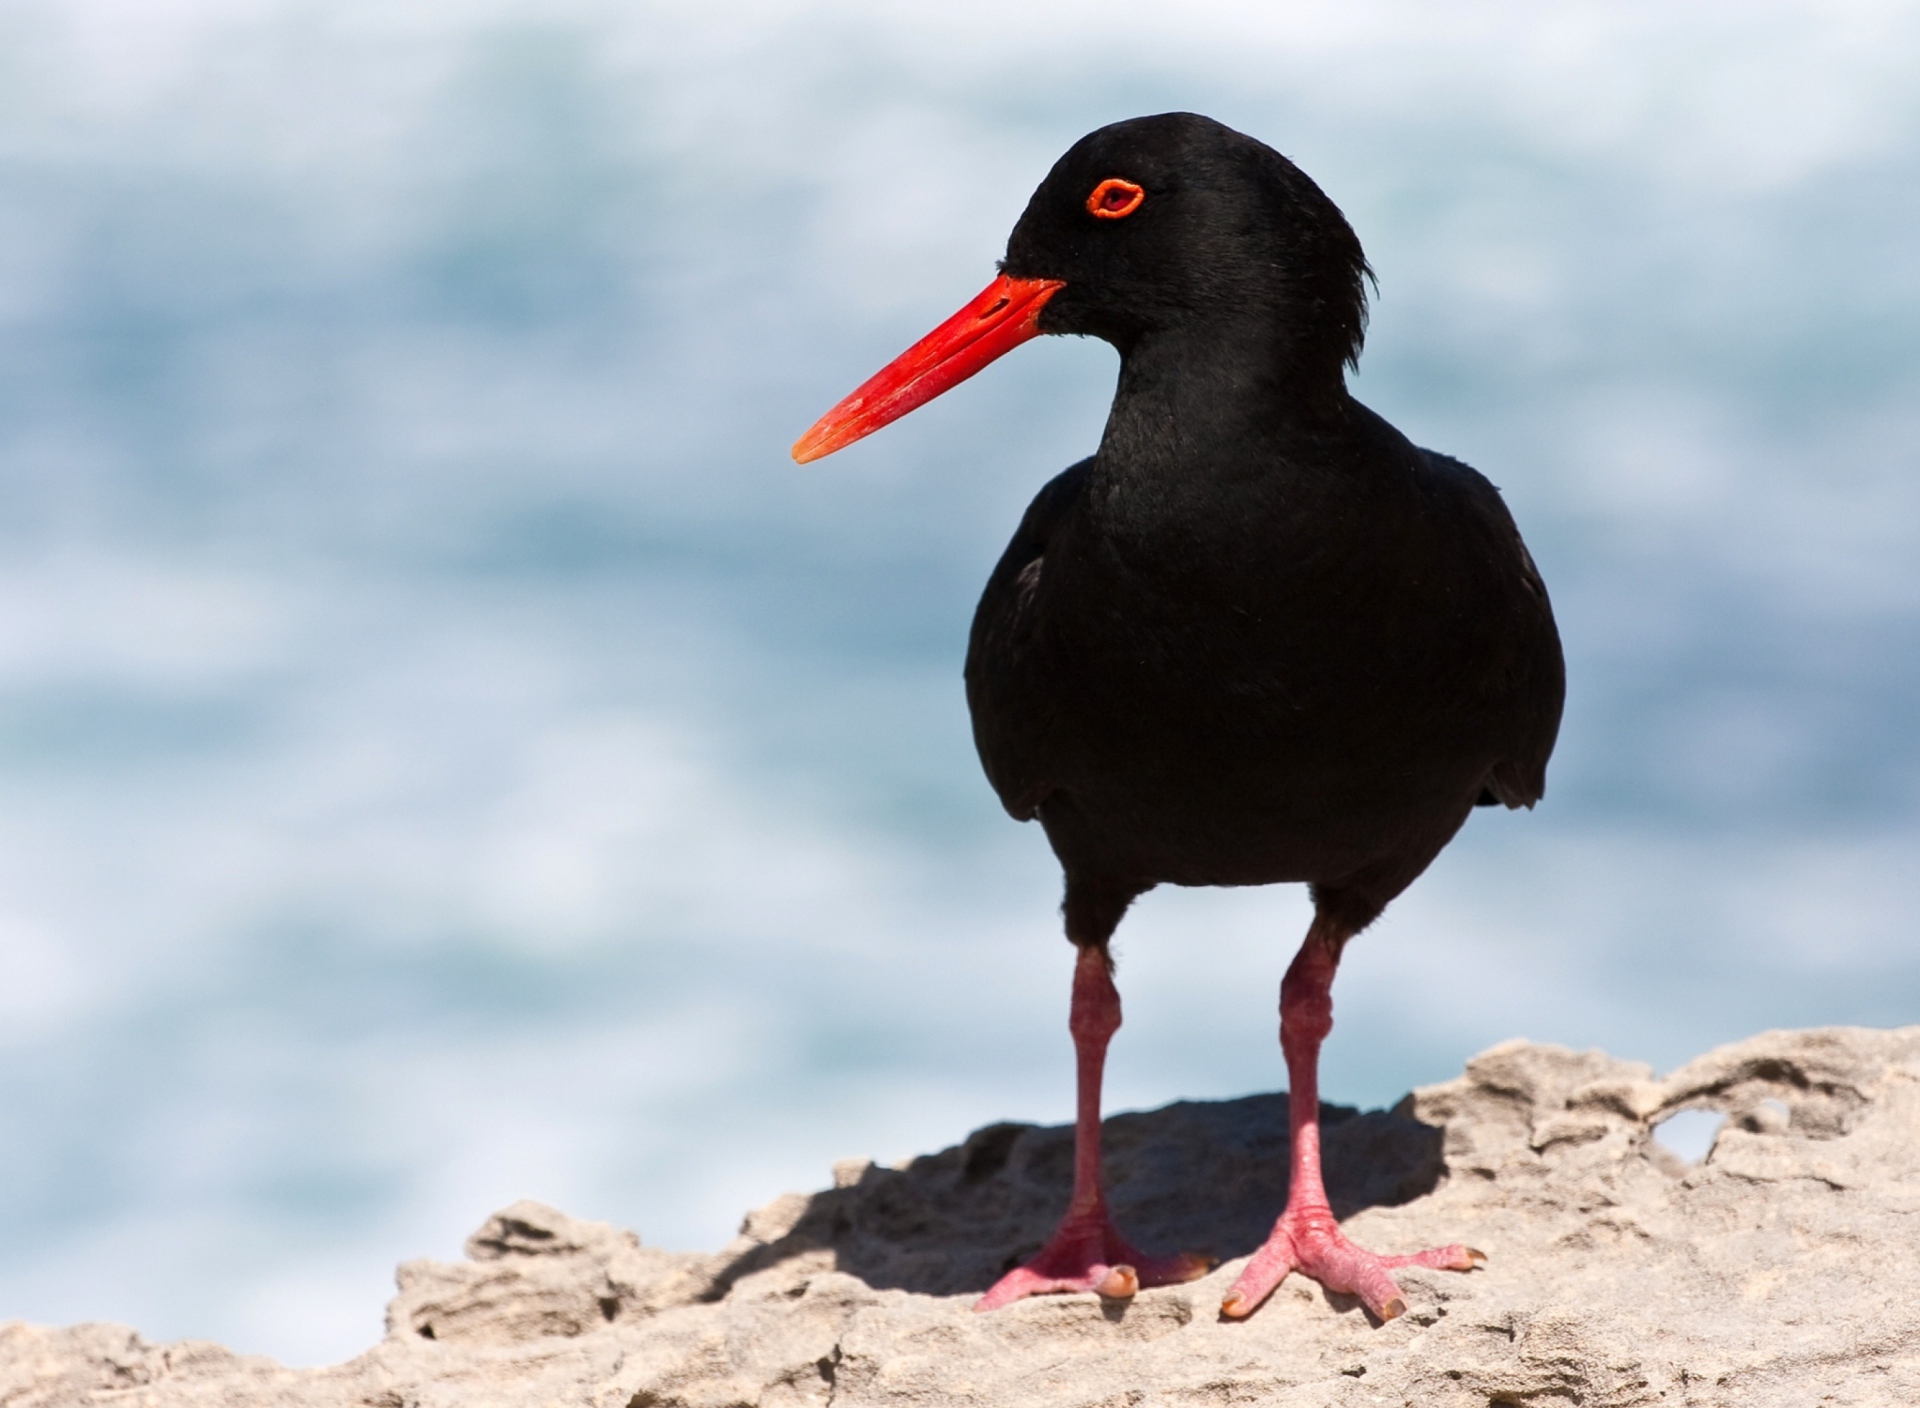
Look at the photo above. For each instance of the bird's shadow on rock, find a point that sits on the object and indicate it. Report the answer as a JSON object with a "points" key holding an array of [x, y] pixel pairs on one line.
{"points": [[1206, 1176]]}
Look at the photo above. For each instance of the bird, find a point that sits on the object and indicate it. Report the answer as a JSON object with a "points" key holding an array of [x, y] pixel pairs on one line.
{"points": [[1257, 637]]}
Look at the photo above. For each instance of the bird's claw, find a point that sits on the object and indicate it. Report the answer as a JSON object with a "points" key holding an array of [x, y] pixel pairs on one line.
{"points": [[1120, 1283]]}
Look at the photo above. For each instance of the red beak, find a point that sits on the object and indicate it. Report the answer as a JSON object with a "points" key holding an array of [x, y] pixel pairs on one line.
{"points": [[1006, 314]]}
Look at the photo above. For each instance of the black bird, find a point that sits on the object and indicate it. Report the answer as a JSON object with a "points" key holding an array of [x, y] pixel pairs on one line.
{"points": [[1258, 637]]}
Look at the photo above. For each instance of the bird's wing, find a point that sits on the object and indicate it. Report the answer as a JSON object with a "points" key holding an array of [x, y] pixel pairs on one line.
{"points": [[1520, 778], [1530, 679], [1006, 725]]}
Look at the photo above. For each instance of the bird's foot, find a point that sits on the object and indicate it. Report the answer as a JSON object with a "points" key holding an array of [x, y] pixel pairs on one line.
{"points": [[1087, 1253], [1311, 1242]]}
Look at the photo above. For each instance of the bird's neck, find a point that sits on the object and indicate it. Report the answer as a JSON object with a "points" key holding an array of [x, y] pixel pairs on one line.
{"points": [[1201, 402]]}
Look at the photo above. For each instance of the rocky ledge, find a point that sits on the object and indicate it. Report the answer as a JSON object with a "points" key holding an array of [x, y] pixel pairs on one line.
{"points": [[1780, 1270]]}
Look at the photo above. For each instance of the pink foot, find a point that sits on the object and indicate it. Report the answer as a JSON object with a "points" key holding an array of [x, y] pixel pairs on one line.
{"points": [[1086, 1253], [1310, 1241]]}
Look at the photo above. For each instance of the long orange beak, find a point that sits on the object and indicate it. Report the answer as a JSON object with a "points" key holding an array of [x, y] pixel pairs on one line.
{"points": [[1006, 314]]}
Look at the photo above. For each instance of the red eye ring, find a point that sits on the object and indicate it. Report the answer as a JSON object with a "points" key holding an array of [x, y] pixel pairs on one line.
{"points": [[1114, 199]]}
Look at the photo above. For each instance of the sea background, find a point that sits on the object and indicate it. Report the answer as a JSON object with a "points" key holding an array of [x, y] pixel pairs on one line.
{"points": [[449, 753]]}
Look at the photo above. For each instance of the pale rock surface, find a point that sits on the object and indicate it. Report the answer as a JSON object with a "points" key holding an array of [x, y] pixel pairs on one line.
{"points": [[1782, 1270]]}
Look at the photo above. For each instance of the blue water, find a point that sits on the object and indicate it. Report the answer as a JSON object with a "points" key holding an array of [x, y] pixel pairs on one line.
{"points": [[448, 753]]}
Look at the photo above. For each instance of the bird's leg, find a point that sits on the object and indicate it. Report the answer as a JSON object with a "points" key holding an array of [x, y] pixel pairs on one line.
{"points": [[1306, 1238], [1086, 1251]]}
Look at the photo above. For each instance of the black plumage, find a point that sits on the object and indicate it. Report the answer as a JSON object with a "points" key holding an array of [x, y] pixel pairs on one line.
{"points": [[1259, 636]]}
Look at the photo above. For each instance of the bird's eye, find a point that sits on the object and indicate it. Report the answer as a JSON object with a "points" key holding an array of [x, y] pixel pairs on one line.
{"points": [[1113, 198]]}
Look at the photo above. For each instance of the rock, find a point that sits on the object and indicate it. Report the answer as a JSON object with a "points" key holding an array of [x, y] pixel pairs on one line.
{"points": [[534, 1273], [1776, 1271]]}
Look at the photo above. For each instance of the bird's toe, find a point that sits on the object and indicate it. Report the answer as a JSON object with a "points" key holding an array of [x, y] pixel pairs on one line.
{"points": [[1120, 1283]]}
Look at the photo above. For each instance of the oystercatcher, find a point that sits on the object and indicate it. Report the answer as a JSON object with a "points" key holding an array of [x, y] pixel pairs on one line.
{"points": [[1258, 637]]}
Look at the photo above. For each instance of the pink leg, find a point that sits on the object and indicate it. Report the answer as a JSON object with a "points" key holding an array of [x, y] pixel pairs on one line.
{"points": [[1306, 1238], [1086, 1252]]}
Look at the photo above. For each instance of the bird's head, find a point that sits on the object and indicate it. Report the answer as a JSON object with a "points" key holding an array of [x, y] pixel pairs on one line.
{"points": [[1176, 221], [1172, 224]]}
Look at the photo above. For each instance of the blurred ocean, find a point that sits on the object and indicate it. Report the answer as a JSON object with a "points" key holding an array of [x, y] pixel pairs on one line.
{"points": [[448, 752]]}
